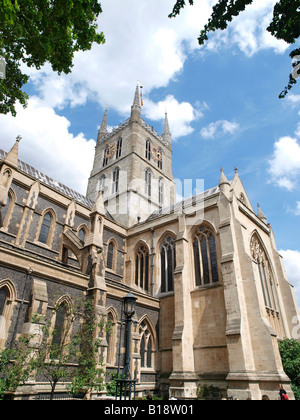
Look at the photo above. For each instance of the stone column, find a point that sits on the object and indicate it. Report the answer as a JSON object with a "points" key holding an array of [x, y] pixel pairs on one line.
{"points": [[183, 379]]}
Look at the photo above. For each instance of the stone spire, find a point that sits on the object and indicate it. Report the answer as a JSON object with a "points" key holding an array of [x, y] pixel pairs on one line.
{"points": [[261, 215], [136, 107], [103, 129], [12, 156], [224, 184], [167, 133]]}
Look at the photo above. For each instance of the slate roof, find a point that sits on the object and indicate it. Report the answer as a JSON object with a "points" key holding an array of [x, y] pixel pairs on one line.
{"points": [[189, 202], [45, 179]]}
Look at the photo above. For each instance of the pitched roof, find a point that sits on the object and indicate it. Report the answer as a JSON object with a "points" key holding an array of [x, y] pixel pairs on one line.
{"points": [[45, 179], [189, 202]]}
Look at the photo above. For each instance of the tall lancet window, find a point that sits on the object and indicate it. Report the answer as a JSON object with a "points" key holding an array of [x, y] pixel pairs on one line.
{"points": [[266, 278], [146, 346], [142, 268], [4, 211], [101, 184], [148, 150], [161, 191], [106, 155], [3, 299], [59, 333], [116, 179], [205, 257], [148, 182], [45, 228], [119, 148], [168, 264], [265, 273]]}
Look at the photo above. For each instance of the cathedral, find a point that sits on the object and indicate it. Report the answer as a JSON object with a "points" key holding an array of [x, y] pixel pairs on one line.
{"points": [[213, 298]]}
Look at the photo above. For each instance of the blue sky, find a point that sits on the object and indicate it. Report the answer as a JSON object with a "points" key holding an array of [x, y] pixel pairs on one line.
{"points": [[222, 101]]}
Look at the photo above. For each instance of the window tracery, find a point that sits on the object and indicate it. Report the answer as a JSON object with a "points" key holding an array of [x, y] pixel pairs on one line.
{"points": [[142, 268], [265, 273], [168, 264], [146, 346], [205, 257]]}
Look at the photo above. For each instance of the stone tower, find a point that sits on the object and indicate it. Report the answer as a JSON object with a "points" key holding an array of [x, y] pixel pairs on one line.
{"points": [[133, 168]]}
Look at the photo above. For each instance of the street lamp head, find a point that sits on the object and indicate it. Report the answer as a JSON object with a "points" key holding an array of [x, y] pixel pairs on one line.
{"points": [[129, 304]]}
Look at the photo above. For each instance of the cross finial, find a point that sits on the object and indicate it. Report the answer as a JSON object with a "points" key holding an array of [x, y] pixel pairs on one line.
{"points": [[236, 170], [19, 138]]}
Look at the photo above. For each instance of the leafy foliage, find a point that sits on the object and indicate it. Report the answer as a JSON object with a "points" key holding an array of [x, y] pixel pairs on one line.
{"points": [[88, 372], [290, 355], [38, 31], [15, 366], [285, 24], [178, 6], [74, 357]]}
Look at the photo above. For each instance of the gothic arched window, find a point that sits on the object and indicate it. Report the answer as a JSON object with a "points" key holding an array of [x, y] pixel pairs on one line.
{"points": [[106, 155], [59, 333], [168, 264], [142, 268], [148, 182], [111, 337], [116, 178], [7, 209], [3, 299], [81, 234], [265, 273], [4, 211], [102, 182], [146, 346], [110, 256], [161, 192], [7, 299], [119, 148], [205, 257], [45, 228], [148, 150]]}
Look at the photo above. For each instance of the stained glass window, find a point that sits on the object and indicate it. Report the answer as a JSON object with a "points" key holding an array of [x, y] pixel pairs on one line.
{"points": [[205, 257]]}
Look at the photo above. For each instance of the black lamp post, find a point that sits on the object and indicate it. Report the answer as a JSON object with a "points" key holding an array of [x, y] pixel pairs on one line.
{"points": [[125, 383]]}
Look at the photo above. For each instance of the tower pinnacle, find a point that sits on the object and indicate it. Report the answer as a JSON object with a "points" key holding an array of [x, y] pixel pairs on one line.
{"points": [[167, 133], [103, 129], [136, 107]]}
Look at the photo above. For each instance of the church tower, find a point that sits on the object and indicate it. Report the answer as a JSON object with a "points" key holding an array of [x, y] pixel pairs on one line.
{"points": [[133, 168]]}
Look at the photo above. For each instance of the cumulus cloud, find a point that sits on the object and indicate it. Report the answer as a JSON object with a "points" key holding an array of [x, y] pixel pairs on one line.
{"points": [[180, 115], [284, 166], [141, 44], [297, 210], [219, 128], [291, 260], [248, 31], [293, 100], [48, 145]]}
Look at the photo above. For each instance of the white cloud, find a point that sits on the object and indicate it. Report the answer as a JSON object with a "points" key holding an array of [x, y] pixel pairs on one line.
{"points": [[293, 100], [219, 128], [142, 43], [180, 115], [297, 210], [284, 167], [292, 265], [48, 145], [248, 31]]}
